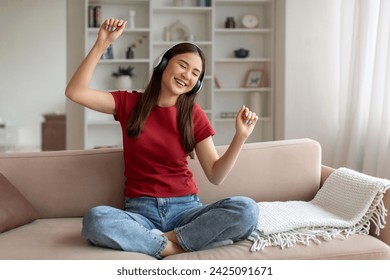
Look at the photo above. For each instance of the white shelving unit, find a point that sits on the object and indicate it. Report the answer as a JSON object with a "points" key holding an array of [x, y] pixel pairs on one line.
{"points": [[206, 27], [231, 72]]}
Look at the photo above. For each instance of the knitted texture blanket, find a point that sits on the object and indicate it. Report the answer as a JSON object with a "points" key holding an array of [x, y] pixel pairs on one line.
{"points": [[347, 203]]}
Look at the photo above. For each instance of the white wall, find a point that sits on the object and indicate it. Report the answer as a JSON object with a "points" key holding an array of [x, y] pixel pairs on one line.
{"points": [[311, 72], [32, 64]]}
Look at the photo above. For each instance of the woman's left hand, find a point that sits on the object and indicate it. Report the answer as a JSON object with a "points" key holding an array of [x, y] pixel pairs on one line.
{"points": [[245, 122]]}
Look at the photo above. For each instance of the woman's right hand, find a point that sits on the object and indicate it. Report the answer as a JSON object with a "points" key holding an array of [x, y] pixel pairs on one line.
{"points": [[111, 29]]}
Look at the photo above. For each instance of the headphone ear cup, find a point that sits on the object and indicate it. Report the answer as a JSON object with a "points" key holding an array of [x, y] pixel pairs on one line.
{"points": [[161, 63], [197, 87]]}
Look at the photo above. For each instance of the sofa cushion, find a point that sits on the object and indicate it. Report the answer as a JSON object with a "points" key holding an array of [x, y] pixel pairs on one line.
{"points": [[61, 239], [15, 209], [355, 247], [56, 239]]}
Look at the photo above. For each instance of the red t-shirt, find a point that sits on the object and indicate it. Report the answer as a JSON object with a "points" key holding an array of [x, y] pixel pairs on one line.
{"points": [[156, 163]]}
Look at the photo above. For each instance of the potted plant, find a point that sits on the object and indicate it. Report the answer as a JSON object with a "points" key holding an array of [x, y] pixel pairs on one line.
{"points": [[124, 77]]}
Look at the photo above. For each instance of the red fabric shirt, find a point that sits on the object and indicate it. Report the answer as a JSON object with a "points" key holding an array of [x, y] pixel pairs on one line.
{"points": [[156, 163]]}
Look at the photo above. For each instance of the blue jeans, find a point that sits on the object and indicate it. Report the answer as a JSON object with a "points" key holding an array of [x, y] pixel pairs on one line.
{"points": [[196, 225]]}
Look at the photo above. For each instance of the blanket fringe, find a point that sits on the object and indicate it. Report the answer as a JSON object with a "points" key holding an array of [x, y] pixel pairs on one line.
{"points": [[288, 239], [376, 215], [379, 212]]}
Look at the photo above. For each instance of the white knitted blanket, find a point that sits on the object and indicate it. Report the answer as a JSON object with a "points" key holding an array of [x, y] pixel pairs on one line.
{"points": [[346, 204]]}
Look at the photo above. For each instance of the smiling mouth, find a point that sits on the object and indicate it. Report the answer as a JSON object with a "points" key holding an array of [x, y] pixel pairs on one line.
{"points": [[180, 83]]}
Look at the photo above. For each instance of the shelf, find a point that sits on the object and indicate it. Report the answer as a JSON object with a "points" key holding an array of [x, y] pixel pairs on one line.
{"points": [[261, 119], [120, 2], [207, 111], [243, 2], [102, 123], [242, 60], [170, 43], [95, 30], [242, 30], [224, 90], [135, 60], [183, 9]]}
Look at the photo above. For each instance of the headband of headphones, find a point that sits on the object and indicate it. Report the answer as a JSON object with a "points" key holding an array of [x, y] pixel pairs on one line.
{"points": [[162, 61]]}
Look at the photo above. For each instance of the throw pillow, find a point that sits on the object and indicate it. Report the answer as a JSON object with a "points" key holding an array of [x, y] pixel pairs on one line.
{"points": [[15, 209]]}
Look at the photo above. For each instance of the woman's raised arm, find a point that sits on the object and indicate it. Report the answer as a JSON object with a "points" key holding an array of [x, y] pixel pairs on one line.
{"points": [[78, 89]]}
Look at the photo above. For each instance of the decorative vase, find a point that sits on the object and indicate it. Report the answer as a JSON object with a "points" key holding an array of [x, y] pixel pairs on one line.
{"points": [[241, 53], [123, 82], [255, 102], [129, 53], [131, 19]]}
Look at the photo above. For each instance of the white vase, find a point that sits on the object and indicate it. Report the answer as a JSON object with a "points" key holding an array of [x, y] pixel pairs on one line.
{"points": [[124, 82], [255, 102], [131, 19]]}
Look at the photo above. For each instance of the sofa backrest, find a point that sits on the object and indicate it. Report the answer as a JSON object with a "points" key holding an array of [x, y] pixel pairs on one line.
{"points": [[268, 171], [68, 183]]}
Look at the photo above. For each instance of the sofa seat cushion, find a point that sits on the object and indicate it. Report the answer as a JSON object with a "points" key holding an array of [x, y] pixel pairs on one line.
{"points": [[61, 239], [364, 247], [55, 239]]}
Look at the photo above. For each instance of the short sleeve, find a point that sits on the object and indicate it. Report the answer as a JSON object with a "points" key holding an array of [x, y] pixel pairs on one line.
{"points": [[124, 104], [202, 125]]}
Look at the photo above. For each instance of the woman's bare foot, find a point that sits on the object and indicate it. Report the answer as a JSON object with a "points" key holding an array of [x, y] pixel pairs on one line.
{"points": [[173, 246]]}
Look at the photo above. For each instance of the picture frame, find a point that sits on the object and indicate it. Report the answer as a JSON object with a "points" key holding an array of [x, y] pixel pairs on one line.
{"points": [[255, 78]]}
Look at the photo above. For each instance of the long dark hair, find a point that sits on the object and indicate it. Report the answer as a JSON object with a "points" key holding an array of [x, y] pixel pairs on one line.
{"points": [[185, 103]]}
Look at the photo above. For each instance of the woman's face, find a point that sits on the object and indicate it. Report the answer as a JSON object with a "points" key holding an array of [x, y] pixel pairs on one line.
{"points": [[182, 73]]}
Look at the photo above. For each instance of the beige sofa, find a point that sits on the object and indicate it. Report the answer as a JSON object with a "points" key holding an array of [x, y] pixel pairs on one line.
{"points": [[63, 185]]}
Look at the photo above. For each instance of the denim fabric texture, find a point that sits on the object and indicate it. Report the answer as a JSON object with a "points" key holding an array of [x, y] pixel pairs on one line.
{"points": [[197, 226]]}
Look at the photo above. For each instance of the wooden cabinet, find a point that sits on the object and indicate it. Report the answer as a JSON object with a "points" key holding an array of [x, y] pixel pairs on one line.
{"points": [[54, 132]]}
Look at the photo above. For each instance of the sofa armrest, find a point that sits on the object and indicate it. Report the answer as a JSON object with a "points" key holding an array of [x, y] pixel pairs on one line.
{"points": [[325, 172], [384, 234]]}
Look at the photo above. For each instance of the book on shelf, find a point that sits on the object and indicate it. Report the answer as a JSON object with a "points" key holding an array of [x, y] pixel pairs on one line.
{"points": [[94, 16]]}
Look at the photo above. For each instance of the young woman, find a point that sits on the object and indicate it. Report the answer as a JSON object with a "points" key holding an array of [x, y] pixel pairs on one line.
{"points": [[161, 127]]}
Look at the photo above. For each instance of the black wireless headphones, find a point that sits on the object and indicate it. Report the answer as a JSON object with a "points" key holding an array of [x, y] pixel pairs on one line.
{"points": [[162, 61]]}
